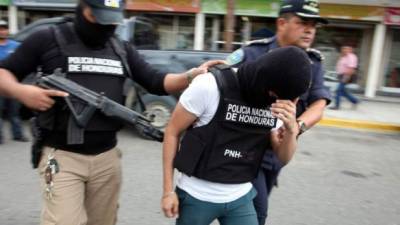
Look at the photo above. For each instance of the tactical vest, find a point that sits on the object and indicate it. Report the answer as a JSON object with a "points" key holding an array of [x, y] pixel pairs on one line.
{"points": [[230, 148], [102, 70]]}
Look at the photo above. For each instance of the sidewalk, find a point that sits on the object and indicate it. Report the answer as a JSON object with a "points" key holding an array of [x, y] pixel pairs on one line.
{"points": [[377, 114]]}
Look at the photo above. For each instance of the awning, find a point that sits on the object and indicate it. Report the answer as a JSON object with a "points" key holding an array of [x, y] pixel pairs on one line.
{"points": [[5, 2], [352, 12], [262, 8], [46, 3], [392, 16], [184, 6]]}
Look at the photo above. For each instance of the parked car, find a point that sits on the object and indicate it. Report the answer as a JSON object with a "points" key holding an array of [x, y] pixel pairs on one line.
{"points": [[141, 33]]}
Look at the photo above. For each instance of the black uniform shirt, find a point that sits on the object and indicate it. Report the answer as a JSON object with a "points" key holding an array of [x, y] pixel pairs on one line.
{"points": [[41, 49]]}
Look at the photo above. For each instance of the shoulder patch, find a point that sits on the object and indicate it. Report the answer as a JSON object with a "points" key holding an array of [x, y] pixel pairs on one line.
{"points": [[235, 57], [260, 41], [317, 54]]}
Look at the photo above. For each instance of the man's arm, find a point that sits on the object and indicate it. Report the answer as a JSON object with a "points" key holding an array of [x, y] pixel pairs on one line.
{"points": [[158, 83], [318, 97], [314, 113], [180, 120], [23, 61], [31, 96], [177, 82]]}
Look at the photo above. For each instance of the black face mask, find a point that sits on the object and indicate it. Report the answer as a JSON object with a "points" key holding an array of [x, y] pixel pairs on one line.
{"points": [[269, 100], [285, 71], [92, 34]]}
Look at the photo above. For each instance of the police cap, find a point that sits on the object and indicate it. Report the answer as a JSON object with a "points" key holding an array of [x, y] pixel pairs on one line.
{"points": [[107, 12], [307, 9]]}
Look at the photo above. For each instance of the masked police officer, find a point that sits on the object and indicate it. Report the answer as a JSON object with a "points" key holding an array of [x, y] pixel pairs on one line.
{"points": [[80, 170], [228, 117], [296, 25]]}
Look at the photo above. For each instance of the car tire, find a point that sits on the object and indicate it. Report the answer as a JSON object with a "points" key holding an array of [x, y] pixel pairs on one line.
{"points": [[158, 109]]}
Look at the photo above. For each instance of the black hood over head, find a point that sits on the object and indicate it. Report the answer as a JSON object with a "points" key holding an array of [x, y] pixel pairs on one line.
{"points": [[92, 34], [286, 71]]}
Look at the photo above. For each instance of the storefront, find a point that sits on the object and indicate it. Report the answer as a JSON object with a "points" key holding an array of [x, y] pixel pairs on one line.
{"points": [[253, 20], [199, 24], [348, 25], [357, 25], [391, 73], [174, 21], [31, 10], [4, 9]]}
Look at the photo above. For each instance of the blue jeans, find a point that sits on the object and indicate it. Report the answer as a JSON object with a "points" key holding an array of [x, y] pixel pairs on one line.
{"points": [[196, 212], [341, 91], [13, 116]]}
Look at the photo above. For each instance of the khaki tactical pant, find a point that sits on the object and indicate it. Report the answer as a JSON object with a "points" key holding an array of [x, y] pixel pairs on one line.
{"points": [[85, 190]]}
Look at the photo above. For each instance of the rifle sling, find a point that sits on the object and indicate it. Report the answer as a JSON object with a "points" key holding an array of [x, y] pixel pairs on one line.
{"points": [[75, 133], [119, 49]]}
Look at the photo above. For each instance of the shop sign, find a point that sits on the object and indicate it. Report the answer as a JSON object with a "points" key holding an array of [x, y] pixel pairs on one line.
{"points": [[46, 3], [262, 8], [352, 12], [187, 6], [22, 2], [4, 2], [392, 16]]}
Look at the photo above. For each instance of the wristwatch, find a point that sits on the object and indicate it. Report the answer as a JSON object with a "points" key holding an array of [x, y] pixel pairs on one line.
{"points": [[302, 126]]}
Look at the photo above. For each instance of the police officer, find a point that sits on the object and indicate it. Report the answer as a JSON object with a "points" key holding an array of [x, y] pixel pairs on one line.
{"points": [[228, 117], [296, 25], [80, 169]]}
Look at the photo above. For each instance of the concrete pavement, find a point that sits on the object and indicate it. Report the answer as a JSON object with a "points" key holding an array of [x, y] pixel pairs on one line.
{"points": [[378, 114]]}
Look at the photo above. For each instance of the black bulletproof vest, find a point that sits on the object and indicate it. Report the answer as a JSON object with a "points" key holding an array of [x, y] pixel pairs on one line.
{"points": [[229, 149], [100, 70]]}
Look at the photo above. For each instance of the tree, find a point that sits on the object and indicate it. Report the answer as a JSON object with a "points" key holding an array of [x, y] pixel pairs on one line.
{"points": [[229, 25]]}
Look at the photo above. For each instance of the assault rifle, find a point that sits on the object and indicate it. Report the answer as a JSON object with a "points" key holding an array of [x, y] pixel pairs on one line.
{"points": [[94, 101]]}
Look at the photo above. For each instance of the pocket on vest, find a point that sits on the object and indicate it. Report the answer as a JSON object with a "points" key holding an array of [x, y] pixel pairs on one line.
{"points": [[189, 154]]}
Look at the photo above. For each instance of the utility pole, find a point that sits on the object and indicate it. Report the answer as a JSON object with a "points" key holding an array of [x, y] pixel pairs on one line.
{"points": [[229, 25]]}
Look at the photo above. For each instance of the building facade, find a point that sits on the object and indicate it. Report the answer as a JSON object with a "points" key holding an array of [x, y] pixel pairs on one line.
{"points": [[372, 27]]}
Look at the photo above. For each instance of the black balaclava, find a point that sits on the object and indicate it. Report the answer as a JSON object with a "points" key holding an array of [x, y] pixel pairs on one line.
{"points": [[285, 71], [92, 34]]}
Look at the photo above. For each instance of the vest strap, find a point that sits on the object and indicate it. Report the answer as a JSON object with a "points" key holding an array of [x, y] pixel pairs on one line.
{"points": [[120, 50]]}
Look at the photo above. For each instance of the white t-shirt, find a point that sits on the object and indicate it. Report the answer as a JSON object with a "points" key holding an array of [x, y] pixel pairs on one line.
{"points": [[202, 98]]}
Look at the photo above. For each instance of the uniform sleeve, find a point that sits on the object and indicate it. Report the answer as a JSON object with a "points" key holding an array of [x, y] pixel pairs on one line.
{"points": [[245, 54], [142, 73], [318, 90], [26, 57], [236, 58]]}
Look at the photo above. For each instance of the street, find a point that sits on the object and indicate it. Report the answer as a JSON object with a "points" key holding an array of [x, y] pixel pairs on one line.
{"points": [[337, 176]]}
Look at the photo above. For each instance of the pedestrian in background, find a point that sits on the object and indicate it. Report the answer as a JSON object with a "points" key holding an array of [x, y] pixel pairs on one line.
{"points": [[7, 47], [296, 25], [346, 68]]}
